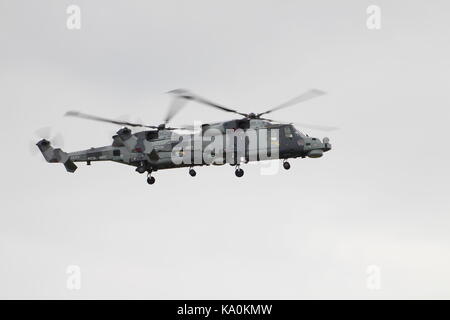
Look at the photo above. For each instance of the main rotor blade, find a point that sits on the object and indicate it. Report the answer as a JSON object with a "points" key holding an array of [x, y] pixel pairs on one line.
{"points": [[310, 94], [306, 125], [174, 108], [185, 94], [96, 118]]}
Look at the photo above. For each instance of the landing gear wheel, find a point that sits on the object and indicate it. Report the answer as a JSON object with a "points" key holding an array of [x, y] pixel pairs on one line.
{"points": [[239, 172], [151, 180], [192, 172], [286, 165]]}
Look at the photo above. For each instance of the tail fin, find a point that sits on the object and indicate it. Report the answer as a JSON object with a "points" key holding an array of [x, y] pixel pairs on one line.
{"points": [[56, 155]]}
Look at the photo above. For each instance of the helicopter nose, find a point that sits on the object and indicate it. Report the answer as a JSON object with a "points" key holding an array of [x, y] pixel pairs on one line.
{"points": [[315, 148], [326, 144]]}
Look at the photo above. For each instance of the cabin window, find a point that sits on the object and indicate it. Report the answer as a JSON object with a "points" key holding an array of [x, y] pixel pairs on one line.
{"points": [[151, 135], [243, 124], [116, 153], [230, 125]]}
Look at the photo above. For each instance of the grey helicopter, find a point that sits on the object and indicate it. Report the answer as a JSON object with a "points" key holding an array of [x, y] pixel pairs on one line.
{"points": [[251, 137]]}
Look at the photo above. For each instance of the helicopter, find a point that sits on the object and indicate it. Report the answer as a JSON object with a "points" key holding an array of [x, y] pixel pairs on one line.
{"points": [[252, 137]]}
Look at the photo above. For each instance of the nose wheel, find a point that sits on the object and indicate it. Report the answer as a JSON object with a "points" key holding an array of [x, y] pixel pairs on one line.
{"points": [[286, 165], [192, 172], [150, 179], [239, 172]]}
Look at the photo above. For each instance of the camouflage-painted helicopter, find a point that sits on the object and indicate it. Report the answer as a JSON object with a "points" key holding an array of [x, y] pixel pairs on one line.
{"points": [[153, 150]]}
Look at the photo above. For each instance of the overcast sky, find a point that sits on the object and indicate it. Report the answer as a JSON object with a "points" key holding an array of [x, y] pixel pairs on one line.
{"points": [[380, 197]]}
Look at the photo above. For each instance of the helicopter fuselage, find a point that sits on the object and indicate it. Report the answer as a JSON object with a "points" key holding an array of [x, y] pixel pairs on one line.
{"points": [[252, 140], [248, 139]]}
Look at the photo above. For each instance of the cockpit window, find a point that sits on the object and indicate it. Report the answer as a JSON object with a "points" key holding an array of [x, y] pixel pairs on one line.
{"points": [[299, 133], [288, 132]]}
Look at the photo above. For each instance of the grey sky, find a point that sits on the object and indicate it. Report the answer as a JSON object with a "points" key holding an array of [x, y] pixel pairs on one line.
{"points": [[380, 197]]}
